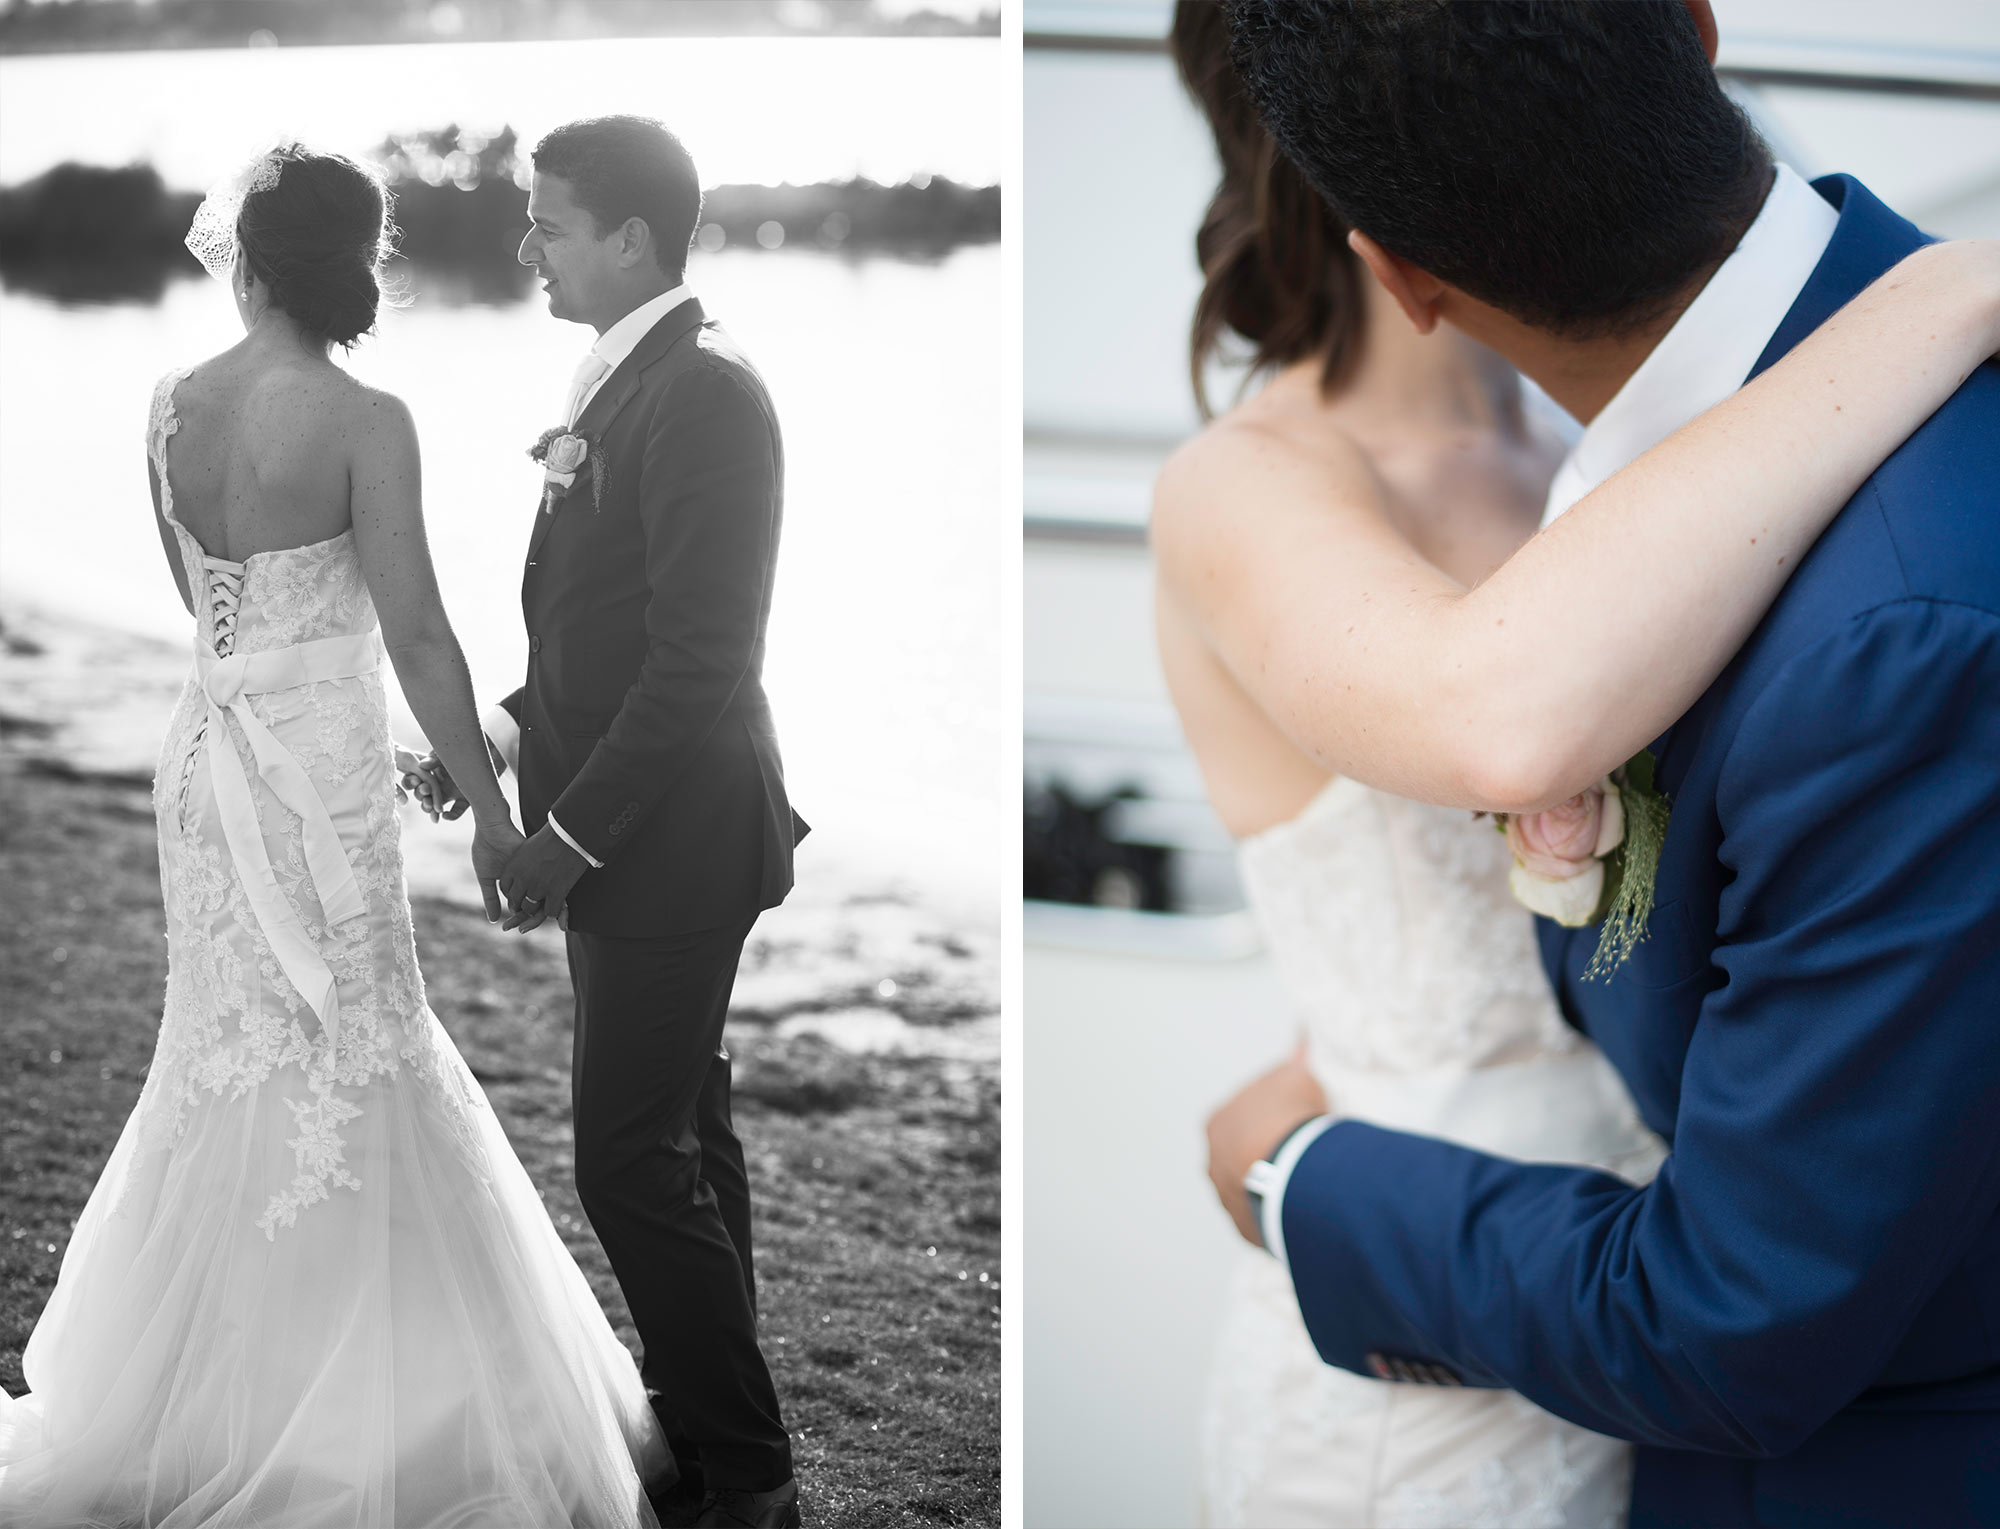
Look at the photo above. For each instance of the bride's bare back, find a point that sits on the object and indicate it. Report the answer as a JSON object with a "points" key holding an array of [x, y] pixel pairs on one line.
{"points": [[263, 457]]}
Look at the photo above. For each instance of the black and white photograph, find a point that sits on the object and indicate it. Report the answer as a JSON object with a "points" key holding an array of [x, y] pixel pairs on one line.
{"points": [[1571, 416], [501, 585]]}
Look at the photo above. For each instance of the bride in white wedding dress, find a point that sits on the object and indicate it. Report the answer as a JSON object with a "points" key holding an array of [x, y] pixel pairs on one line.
{"points": [[314, 1286], [1413, 973]]}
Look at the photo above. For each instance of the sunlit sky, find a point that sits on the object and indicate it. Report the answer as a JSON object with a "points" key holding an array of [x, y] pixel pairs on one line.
{"points": [[749, 109]]}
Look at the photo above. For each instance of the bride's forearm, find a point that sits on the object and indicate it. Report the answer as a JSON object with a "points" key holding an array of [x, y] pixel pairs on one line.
{"points": [[1617, 617], [438, 686]]}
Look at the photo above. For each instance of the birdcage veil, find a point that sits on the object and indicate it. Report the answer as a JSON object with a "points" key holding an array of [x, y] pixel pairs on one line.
{"points": [[211, 238]]}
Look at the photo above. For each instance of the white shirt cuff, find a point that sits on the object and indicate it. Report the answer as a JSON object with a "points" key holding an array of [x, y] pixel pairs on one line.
{"points": [[1278, 1177], [563, 834], [504, 733]]}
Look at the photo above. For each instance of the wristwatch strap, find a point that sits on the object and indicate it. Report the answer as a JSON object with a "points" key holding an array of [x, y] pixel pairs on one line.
{"points": [[1262, 1176]]}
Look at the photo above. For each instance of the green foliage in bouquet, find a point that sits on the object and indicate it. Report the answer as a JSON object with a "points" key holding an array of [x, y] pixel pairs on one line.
{"points": [[1630, 869]]}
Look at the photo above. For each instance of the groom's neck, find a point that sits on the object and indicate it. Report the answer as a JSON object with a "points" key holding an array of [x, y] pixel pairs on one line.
{"points": [[1583, 375], [638, 294]]}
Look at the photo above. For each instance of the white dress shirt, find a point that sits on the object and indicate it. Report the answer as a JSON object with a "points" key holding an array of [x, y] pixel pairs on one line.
{"points": [[618, 342], [1704, 358], [1708, 353], [603, 358]]}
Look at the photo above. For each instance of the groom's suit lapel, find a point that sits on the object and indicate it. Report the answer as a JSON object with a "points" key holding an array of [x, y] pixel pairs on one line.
{"points": [[618, 390], [1868, 239]]}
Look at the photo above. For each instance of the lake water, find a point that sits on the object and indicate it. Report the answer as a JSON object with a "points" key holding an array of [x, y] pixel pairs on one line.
{"points": [[884, 663], [763, 109], [884, 657]]}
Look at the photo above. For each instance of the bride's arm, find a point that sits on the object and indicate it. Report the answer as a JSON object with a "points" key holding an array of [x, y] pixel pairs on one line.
{"points": [[386, 494], [1604, 628]]}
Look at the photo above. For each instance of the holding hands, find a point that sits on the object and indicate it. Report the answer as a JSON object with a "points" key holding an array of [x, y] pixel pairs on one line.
{"points": [[534, 874]]}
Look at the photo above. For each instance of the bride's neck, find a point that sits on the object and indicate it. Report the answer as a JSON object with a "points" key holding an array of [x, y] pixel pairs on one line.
{"points": [[275, 332], [1439, 382]]}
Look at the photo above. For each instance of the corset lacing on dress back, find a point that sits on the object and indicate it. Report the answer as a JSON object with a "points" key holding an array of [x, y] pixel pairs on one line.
{"points": [[225, 599]]}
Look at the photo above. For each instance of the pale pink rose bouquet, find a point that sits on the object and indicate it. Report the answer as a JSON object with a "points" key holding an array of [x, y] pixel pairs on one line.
{"points": [[1594, 857], [1559, 853]]}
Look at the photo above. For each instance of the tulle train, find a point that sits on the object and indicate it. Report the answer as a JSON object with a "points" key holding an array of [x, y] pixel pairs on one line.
{"points": [[419, 1352]]}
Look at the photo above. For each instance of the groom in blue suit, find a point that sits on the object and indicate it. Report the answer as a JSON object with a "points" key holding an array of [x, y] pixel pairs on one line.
{"points": [[1798, 1321]]}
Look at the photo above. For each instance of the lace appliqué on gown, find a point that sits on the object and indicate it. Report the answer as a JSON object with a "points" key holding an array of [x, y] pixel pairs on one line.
{"points": [[1416, 979], [234, 1020]]}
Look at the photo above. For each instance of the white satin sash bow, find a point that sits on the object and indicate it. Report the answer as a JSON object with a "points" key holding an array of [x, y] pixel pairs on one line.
{"points": [[228, 683]]}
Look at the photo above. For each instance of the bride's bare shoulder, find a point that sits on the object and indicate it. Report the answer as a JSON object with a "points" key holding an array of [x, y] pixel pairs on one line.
{"points": [[1251, 466], [375, 417]]}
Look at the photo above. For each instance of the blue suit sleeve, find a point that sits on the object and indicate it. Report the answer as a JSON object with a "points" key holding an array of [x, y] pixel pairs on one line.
{"points": [[1837, 1147]]}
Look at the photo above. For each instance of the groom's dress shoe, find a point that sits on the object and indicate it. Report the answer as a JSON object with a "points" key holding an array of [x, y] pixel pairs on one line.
{"points": [[726, 1508], [677, 1506]]}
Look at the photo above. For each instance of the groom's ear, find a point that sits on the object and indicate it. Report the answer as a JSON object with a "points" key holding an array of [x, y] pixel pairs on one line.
{"points": [[634, 243], [1704, 25], [1416, 291]]}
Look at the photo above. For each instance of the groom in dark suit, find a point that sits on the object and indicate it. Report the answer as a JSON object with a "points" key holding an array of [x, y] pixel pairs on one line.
{"points": [[1798, 1321], [650, 782]]}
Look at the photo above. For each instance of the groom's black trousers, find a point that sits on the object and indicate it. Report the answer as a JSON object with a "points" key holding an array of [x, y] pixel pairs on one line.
{"points": [[661, 1176]]}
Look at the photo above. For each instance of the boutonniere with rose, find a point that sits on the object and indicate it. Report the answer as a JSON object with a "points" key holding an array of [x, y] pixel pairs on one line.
{"points": [[563, 455], [1593, 859]]}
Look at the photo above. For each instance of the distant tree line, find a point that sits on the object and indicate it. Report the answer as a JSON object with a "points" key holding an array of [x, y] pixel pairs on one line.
{"points": [[81, 25], [91, 233]]}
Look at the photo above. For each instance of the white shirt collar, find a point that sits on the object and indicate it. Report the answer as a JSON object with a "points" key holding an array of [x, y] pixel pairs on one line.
{"points": [[623, 337], [1708, 353]]}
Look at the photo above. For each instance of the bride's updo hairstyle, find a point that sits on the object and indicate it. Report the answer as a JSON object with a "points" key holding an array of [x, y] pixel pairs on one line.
{"points": [[1275, 264], [318, 238]]}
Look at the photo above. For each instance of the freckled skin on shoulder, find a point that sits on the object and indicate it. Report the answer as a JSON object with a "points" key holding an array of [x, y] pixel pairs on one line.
{"points": [[1212, 494], [1276, 532]]}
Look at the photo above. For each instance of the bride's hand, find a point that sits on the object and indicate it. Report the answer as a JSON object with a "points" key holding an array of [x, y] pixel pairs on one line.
{"points": [[494, 841], [423, 777]]}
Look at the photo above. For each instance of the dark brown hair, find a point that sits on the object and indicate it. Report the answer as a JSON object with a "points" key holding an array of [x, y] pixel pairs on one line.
{"points": [[1573, 163], [628, 167], [1275, 264], [318, 238]]}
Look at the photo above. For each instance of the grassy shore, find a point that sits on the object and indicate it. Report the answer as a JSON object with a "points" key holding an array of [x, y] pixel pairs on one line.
{"points": [[876, 1173]]}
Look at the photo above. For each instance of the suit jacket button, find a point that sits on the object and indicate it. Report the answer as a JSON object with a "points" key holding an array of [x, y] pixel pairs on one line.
{"points": [[534, 644]]}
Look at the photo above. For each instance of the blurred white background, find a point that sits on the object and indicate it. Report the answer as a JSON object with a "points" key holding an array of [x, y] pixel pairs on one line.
{"points": [[1137, 1023]]}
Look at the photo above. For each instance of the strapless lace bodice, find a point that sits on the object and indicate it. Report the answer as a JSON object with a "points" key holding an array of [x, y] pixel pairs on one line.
{"points": [[1397, 938]]}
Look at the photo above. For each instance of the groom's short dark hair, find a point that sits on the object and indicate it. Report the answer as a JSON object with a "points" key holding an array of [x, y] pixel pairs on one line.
{"points": [[628, 167], [1575, 163]]}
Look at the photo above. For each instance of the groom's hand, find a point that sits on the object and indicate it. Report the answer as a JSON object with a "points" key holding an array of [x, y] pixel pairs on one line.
{"points": [[1249, 1128], [430, 782], [538, 879]]}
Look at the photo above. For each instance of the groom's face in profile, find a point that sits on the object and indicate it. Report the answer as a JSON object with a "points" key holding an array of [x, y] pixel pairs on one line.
{"points": [[579, 269]]}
